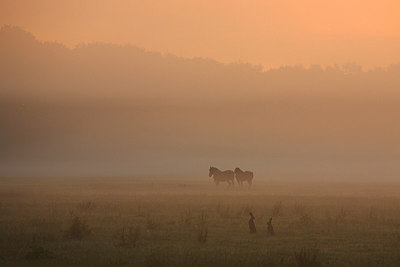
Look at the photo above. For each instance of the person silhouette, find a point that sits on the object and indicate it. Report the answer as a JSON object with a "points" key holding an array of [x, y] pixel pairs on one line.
{"points": [[252, 225], [270, 227]]}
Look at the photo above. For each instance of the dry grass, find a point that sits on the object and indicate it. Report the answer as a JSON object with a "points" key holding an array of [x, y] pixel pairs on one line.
{"points": [[118, 222], [78, 229]]}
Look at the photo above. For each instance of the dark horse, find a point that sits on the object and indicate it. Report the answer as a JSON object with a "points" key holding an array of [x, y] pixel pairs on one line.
{"points": [[221, 176], [242, 176]]}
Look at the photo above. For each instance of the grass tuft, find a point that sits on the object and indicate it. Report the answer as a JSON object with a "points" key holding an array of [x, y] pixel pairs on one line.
{"points": [[277, 209], [39, 253], [307, 257], [202, 229], [78, 229], [129, 236], [187, 217]]}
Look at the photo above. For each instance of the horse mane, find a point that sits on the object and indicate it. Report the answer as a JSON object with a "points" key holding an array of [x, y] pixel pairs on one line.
{"points": [[238, 170], [214, 168]]}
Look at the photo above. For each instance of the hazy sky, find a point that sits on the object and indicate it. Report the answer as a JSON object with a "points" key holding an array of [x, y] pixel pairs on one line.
{"points": [[268, 32]]}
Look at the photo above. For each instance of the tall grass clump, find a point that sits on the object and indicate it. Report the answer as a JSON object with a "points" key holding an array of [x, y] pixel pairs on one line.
{"points": [[277, 209], [150, 223], [244, 211], [299, 209], [129, 236], [187, 217], [305, 220], [39, 253], [157, 259], [373, 215], [86, 206], [341, 216], [202, 230], [77, 229], [223, 212], [307, 257]]}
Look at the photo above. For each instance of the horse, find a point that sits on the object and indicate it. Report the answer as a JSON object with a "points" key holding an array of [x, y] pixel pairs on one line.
{"points": [[222, 176], [242, 176]]}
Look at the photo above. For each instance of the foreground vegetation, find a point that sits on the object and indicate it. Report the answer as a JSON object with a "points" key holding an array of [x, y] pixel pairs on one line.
{"points": [[117, 222]]}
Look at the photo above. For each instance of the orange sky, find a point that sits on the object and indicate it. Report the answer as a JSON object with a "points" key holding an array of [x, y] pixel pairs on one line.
{"points": [[269, 32]]}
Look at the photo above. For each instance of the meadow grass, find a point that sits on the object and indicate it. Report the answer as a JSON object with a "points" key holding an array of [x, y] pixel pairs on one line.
{"points": [[155, 222]]}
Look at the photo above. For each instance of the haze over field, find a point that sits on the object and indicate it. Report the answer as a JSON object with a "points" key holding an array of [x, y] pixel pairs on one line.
{"points": [[271, 33], [102, 109], [199, 133]]}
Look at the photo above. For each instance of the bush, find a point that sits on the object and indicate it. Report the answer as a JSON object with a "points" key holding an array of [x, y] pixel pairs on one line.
{"points": [[77, 229]]}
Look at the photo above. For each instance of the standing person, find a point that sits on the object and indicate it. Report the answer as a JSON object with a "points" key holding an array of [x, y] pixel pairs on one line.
{"points": [[252, 225], [270, 227]]}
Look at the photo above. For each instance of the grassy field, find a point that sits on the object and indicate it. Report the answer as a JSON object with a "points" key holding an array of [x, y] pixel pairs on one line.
{"points": [[190, 222]]}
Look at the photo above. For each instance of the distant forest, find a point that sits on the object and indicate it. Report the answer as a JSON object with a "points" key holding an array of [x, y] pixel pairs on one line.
{"points": [[105, 109]]}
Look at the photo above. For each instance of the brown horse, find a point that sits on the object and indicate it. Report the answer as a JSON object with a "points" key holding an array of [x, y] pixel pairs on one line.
{"points": [[222, 176], [242, 176]]}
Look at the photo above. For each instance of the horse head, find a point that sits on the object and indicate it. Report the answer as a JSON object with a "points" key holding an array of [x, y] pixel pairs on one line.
{"points": [[238, 170], [211, 171]]}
